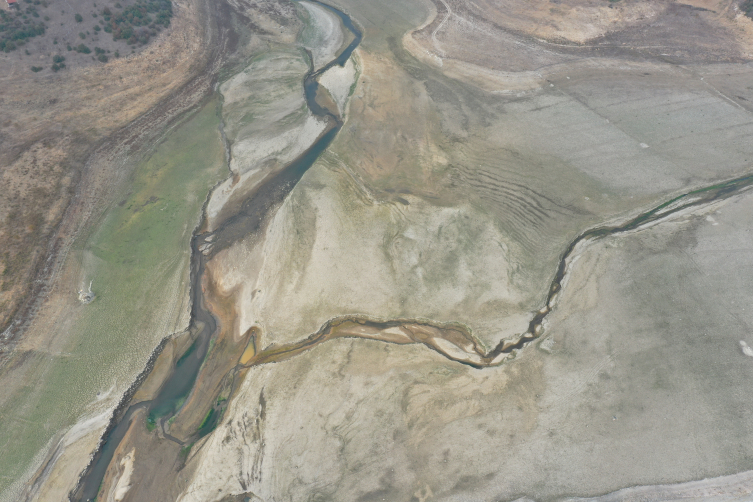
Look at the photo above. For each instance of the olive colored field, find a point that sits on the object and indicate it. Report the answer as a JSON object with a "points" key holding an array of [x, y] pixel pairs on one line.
{"points": [[138, 261]]}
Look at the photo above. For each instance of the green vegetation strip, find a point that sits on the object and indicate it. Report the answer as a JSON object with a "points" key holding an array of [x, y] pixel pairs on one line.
{"points": [[138, 260]]}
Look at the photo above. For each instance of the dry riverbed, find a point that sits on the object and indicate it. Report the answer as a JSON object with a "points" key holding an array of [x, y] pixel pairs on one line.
{"points": [[357, 318]]}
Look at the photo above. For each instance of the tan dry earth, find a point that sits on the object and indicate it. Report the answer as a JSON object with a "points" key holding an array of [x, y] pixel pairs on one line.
{"points": [[638, 380]]}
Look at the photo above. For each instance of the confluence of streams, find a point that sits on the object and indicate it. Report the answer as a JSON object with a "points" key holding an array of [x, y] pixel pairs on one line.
{"points": [[454, 341]]}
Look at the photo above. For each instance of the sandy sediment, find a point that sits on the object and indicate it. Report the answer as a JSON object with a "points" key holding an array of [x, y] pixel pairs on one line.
{"points": [[339, 81], [123, 484], [267, 124], [323, 35], [323, 272], [357, 418], [732, 488]]}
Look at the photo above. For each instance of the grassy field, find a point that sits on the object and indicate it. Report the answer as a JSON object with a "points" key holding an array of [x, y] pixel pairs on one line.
{"points": [[138, 261]]}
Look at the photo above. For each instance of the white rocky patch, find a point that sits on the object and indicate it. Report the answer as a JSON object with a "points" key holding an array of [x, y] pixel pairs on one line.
{"points": [[326, 34], [338, 80]]}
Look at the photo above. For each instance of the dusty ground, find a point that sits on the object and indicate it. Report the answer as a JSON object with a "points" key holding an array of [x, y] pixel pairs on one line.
{"points": [[63, 30], [475, 149]]}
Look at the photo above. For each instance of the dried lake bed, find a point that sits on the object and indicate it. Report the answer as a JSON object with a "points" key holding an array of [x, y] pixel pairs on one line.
{"points": [[431, 230]]}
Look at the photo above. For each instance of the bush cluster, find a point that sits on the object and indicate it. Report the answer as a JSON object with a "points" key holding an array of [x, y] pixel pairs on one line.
{"points": [[100, 54], [14, 30], [136, 23], [747, 7]]}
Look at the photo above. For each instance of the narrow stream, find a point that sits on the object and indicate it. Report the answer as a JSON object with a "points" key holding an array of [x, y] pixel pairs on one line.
{"points": [[250, 219]]}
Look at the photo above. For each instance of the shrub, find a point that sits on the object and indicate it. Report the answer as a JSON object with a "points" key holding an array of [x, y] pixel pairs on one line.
{"points": [[57, 58], [747, 7], [102, 58], [15, 33], [82, 49], [82, 35], [57, 66], [152, 13], [78, 18], [36, 69], [97, 28]]}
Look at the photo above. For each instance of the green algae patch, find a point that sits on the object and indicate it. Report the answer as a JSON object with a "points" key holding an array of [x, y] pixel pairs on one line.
{"points": [[138, 261]]}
